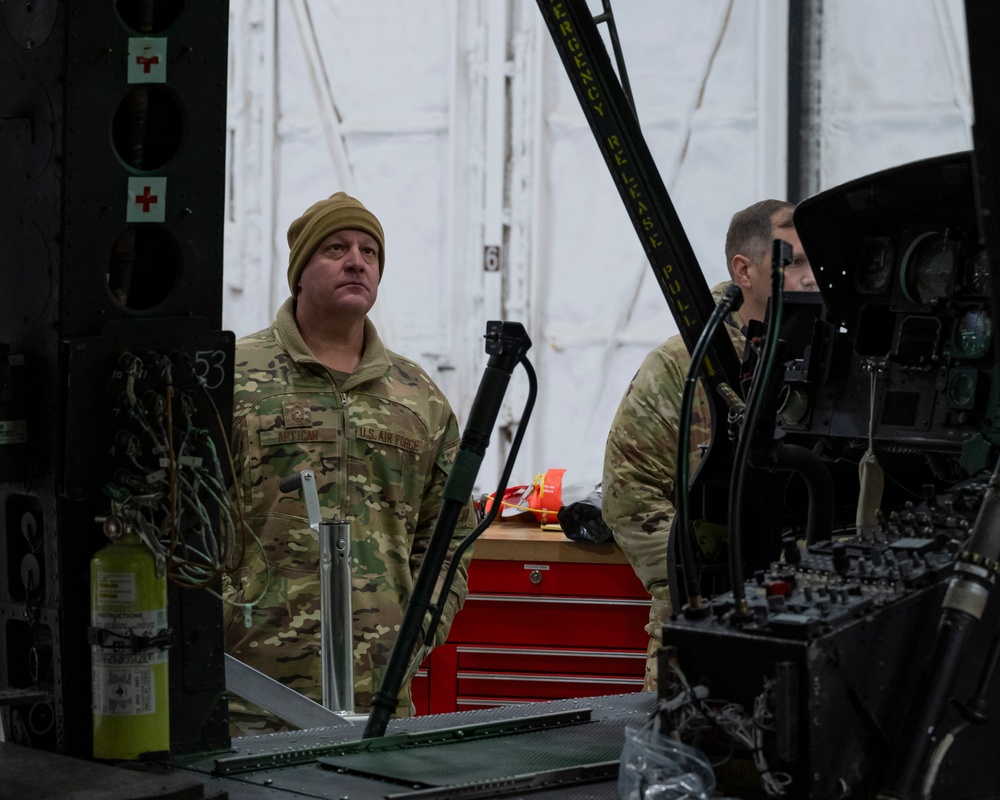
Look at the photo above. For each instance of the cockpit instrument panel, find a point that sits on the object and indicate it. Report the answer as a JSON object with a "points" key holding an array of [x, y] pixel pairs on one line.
{"points": [[927, 269], [873, 273], [904, 348], [977, 272]]}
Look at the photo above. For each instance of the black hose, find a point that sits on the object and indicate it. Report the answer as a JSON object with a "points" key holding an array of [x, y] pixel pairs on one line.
{"points": [[507, 342], [731, 301], [810, 467], [466, 543], [756, 400]]}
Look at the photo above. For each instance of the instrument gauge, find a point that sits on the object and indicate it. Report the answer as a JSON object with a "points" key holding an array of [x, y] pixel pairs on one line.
{"points": [[928, 268], [973, 334], [977, 272], [874, 267]]}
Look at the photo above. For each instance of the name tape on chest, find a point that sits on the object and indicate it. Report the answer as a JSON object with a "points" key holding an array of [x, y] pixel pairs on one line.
{"points": [[391, 438], [308, 435], [298, 436]]}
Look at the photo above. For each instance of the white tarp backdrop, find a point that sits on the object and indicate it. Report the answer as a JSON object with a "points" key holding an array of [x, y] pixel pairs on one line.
{"points": [[453, 120]]}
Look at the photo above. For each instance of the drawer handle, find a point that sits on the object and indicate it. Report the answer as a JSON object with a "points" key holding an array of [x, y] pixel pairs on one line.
{"points": [[512, 677], [556, 600]]}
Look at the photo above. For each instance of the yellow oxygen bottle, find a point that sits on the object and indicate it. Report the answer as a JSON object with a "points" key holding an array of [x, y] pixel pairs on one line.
{"points": [[128, 618]]}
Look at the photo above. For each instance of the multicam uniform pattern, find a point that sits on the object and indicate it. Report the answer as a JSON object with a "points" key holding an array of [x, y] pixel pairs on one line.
{"points": [[380, 442], [640, 465]]}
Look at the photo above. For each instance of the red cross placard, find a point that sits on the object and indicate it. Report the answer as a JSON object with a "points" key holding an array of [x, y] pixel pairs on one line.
{"points": [[147, 200], [147, 60]]}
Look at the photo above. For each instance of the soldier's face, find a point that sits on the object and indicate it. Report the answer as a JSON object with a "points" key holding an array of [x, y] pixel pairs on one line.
{"points": [[798, 275], [342, 275], [753, 276]]}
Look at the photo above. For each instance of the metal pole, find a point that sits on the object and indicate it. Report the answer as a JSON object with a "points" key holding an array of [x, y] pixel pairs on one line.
{"points": [[336, 623]]}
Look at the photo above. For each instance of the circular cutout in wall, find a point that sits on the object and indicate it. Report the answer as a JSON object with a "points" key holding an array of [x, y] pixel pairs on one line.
{"points": [[147, 127], [149, 16], [143, 267]]}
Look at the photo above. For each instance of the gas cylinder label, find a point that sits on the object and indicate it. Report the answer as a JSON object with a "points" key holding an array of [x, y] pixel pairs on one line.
{"points": [[124, 682], [116, 587], [124, 691], [120, 628]]}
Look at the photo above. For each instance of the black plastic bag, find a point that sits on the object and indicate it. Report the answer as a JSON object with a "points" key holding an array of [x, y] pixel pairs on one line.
{"points": [[582, 522]]}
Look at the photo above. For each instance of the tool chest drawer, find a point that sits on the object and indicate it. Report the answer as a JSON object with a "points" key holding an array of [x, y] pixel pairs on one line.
{"points": [[540, 629]]}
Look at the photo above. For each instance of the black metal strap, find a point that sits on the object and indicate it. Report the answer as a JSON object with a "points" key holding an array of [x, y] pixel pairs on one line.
{"points": [[605, 105], [130, 642], [983, 27], [633, 169]]}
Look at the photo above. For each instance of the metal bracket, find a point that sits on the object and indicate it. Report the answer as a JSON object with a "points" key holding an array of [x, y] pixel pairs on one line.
{"points": [[277, 698], [230, 765]]}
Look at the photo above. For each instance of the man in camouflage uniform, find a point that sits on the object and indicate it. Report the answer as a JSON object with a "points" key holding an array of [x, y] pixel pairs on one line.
{"points": [[318, 390], [640, 458]]}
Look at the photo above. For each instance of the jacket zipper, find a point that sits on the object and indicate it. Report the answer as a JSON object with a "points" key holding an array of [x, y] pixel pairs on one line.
{"points": [[344, 449]]}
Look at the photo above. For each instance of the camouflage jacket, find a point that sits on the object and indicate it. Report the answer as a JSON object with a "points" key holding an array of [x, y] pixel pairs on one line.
{"points": [[640, 463], [381, 444]]}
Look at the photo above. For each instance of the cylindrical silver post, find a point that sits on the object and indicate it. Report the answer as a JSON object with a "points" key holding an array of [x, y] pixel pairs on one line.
{"points": [[336, 623]]}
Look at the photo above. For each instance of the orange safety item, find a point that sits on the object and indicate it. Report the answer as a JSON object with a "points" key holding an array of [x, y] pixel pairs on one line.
{"points": [[513, 498], [543, 498]]}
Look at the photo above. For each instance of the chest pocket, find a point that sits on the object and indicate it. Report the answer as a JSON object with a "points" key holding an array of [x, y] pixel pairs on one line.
{"points": [[389, 454], [289, 436]]}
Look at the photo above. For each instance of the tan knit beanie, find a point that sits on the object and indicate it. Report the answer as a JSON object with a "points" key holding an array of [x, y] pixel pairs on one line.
{"points": [[337, 213]]}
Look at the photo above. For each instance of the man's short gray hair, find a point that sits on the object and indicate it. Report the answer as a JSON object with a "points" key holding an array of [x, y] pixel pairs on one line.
{"points": [[751, 230]]}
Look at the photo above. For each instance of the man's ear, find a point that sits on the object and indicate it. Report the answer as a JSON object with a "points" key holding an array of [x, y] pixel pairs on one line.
{"points": [[740, 269]]}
